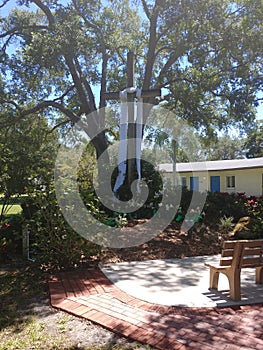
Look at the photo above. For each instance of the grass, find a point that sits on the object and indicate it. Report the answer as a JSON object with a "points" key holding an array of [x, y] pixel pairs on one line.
{"points": [[29, 335], [18, 285], [14, 204], [18, 327], [25, 324], [12, 209]]}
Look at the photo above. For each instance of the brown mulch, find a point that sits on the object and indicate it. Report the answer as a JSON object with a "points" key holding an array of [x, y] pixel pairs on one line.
{"points": [[172, 243]]}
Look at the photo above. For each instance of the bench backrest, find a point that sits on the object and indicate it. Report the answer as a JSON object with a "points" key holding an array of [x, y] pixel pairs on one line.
{"points": [[243, 253]]}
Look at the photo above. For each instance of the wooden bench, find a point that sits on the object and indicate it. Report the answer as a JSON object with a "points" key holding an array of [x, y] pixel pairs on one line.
{"points": [[235, 256]]}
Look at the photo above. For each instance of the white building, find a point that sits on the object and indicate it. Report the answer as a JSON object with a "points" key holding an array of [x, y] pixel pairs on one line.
{"points": [[238, 175]]}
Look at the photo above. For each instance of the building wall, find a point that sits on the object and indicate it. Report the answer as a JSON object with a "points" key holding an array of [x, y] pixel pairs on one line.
{"points": [[203, 180], [246, 180]]}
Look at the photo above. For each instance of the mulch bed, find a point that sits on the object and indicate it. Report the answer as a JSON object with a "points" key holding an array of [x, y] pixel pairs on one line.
{"points": [[171, 243]]}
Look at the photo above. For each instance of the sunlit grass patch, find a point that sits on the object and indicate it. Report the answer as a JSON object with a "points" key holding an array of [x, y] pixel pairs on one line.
{"points": [[12, 209], [27, 321]]}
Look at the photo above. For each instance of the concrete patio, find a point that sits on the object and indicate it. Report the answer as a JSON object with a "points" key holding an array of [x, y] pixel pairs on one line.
{"points": [[180, 282]]}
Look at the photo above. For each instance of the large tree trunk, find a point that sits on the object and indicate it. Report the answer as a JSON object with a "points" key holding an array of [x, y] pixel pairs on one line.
{"points": [[101, 144]]}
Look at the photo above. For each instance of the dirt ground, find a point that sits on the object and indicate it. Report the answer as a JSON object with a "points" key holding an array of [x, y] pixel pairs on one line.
{"points": [[172, 243]]}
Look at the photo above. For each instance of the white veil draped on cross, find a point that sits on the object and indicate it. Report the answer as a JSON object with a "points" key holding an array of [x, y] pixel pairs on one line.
{"points": [[123, 146], [122, 153]]}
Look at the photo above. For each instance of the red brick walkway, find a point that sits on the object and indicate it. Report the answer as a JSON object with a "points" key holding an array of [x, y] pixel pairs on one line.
{"points": [[89, 294]]}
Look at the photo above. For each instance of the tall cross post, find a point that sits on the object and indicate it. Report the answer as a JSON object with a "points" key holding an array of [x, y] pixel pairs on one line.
{"points": [[131, 151], [131, 95]]}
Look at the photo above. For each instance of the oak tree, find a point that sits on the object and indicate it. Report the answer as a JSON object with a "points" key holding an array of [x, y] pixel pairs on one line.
{"points": [[64, 56]]}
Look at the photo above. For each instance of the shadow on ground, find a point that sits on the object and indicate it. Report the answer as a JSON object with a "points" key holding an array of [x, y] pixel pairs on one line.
{"points": [[180, 282]]}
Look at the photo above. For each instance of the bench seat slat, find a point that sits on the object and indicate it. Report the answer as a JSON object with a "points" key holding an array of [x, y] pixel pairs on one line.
{"points": [[248, 243], [255, 243]]}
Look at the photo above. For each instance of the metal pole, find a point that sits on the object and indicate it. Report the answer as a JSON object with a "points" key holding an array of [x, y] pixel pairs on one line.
{"points": [[174, 162]]}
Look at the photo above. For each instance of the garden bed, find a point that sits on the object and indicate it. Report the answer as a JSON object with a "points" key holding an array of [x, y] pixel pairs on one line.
{"points": [[171, 243]]}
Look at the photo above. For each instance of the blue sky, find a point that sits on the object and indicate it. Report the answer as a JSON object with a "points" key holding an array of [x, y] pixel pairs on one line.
{"points": [[12, 4]]}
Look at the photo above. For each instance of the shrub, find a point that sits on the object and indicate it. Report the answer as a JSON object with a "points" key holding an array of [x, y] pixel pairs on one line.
{"points": [[10, 237], [55, 245], [255, 210], [219, 205], [154, 183]]}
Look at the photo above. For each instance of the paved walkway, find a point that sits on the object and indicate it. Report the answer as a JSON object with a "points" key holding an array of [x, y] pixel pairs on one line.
{"points": [[91, 295]]}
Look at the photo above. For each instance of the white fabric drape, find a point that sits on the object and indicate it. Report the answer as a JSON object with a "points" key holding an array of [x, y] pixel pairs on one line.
{"points": [[122, 153], [139, 123], [123, 146]]}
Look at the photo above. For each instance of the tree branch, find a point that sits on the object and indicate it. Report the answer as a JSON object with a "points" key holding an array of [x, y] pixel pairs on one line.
{"points": [[64, 122], [39, 107], [46, 11], [89, 24], [99, 33], [87, 86], [9, 32], [78, 84], [146, 9], [3, 101], [172, 59], [151, 47], [103, 84], [4, 3], [45, 104], [60, 98]]}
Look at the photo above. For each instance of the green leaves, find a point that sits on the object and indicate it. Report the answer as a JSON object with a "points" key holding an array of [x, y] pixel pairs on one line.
{"points": [[206, 53], [27, 155], [254, 143]]}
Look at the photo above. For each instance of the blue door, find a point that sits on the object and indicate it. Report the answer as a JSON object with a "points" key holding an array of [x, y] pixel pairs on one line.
{"points": [[215, 183], [194, 183]]}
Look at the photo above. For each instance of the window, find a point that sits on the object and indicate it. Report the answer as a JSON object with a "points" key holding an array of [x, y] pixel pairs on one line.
{"points": [[183, 181], [230, 181]]}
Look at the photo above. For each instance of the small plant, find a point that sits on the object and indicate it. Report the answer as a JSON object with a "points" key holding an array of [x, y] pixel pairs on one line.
{"points": [[226, 224], [121, 220]]}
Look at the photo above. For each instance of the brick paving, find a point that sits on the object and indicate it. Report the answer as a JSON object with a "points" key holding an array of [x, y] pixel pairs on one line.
{"points": [[90, 295]]}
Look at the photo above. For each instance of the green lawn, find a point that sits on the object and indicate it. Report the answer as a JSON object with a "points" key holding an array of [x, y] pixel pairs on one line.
{"points": [[14, 204], [12, 209]]}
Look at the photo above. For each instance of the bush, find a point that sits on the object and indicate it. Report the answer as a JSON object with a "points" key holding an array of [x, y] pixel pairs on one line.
{"points": [[11, 237], [234, 206], [255, 210], [55, 245], [154, 183], [219, 205]]}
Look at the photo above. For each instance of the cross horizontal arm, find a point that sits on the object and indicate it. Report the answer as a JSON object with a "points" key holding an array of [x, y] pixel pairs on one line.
{"points": [[145, 93]]}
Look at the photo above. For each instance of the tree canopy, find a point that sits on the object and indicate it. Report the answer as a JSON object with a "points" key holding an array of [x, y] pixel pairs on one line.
{"points": [[63, 56], [28, 150], [254, 142]]}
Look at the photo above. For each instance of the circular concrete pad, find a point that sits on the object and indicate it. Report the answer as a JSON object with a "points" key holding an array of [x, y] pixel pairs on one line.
{"points": [[180, 282]]}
